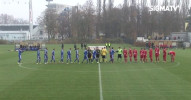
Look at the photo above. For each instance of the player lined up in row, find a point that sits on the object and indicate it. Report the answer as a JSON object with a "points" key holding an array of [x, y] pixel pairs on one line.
{"points": [[143, 55], [94, 55]]}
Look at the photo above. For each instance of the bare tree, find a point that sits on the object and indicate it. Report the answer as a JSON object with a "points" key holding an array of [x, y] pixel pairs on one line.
{"points": [[128, 21], [50, 20], [104, 19], [98, 23], [8, 19]]}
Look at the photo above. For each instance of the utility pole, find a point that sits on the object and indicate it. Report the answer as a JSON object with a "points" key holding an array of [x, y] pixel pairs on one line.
{"points": [[30, 19]]}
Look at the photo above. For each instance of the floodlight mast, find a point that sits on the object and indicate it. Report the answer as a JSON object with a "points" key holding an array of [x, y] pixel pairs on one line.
{"points": [[30, 20], [49, 1]]}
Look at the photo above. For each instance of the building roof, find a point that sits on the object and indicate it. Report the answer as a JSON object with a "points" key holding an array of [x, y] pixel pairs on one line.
{"points": [[179, 32], [15, 27], [13, 32]]}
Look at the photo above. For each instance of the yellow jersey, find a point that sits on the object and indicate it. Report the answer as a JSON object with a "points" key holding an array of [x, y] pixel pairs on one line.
{"points": [[104, 52]]}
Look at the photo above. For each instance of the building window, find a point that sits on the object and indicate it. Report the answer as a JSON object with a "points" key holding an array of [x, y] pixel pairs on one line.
{"points": [[41, 32]]}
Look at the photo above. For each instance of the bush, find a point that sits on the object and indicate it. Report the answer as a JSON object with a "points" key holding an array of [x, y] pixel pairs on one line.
{"points": [[140, 44], [3, 42], [89, 41]]}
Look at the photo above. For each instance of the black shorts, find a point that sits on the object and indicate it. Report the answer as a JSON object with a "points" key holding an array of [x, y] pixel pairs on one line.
{"points": [[119, 56], [103, 57], [97, 56], [89, 56]]}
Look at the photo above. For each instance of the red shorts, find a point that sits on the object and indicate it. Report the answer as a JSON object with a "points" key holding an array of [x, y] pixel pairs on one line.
{"points": [[156, 54], [142, 56], [150, 56], [135, 56], [125, 56]]}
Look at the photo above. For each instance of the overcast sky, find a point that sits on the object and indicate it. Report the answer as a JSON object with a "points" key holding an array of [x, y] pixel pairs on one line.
{"points": [[20, 8]]}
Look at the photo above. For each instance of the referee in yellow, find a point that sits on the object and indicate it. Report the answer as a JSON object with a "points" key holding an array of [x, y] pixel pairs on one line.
{"points": [[104, 53], [120, 52]]}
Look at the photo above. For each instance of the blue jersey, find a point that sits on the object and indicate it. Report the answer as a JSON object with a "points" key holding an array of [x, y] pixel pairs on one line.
{"points": [[94, 53], [38, 53], [20, 52], [69, 52], [85, 53], [53, 53], [112, 52], [77, 52], [62, 52], [45, 52]]}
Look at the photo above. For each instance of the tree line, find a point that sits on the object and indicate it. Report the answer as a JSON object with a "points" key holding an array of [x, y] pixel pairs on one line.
{"points": [[126, 21], [8, 19]]}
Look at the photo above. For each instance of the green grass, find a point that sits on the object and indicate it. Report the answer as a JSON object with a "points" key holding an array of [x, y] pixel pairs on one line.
{"points": [[132, 81]]}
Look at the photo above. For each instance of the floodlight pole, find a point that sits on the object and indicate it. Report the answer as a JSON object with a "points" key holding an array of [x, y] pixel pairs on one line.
{"points": [[30, 20]]}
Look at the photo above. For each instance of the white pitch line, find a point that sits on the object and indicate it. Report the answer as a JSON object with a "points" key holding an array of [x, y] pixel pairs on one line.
{"points": [[26, 67], [100, 83]]}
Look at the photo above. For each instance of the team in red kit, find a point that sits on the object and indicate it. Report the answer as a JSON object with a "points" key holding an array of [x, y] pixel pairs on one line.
{"points": [[125, 54], [130, 54], [172, 54], [151, 54], [157, 53], [164, 55], [133, 54]]}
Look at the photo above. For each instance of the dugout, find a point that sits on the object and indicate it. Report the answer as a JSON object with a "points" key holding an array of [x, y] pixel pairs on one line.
{"points": [[29, 46]]}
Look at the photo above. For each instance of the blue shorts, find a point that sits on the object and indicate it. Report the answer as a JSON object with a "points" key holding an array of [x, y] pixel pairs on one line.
{"points": [[94, 56], [20, 57], [38, 57], [62, 57], [53, 57], [111, 56], [45, 57], [69, 56], [85, 57], [77, 56]]}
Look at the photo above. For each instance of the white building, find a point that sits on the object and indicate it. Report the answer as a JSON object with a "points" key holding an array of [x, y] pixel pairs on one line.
{"points": [[14, 35], [20, 32], [59, 7]]}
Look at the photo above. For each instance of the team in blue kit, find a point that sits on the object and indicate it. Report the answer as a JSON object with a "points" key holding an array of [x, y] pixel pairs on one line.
{"points": [[38, 61], [69, 53], [77, 55], [94, 55], [62, 56], [89, 56], [46, 56], [19, 55], [53, 56], [85, 56]]}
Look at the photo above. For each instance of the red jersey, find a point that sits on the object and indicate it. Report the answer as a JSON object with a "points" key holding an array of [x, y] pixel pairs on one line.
{"points": [[172, 53], [150, 52], [145, 53], [135, 52], [130, 53], [164, 52], [142, 52], [125, 53], [157, 51]]}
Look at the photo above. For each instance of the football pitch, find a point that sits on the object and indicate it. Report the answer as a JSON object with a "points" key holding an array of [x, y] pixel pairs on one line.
{"points": [[104, 81]]}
